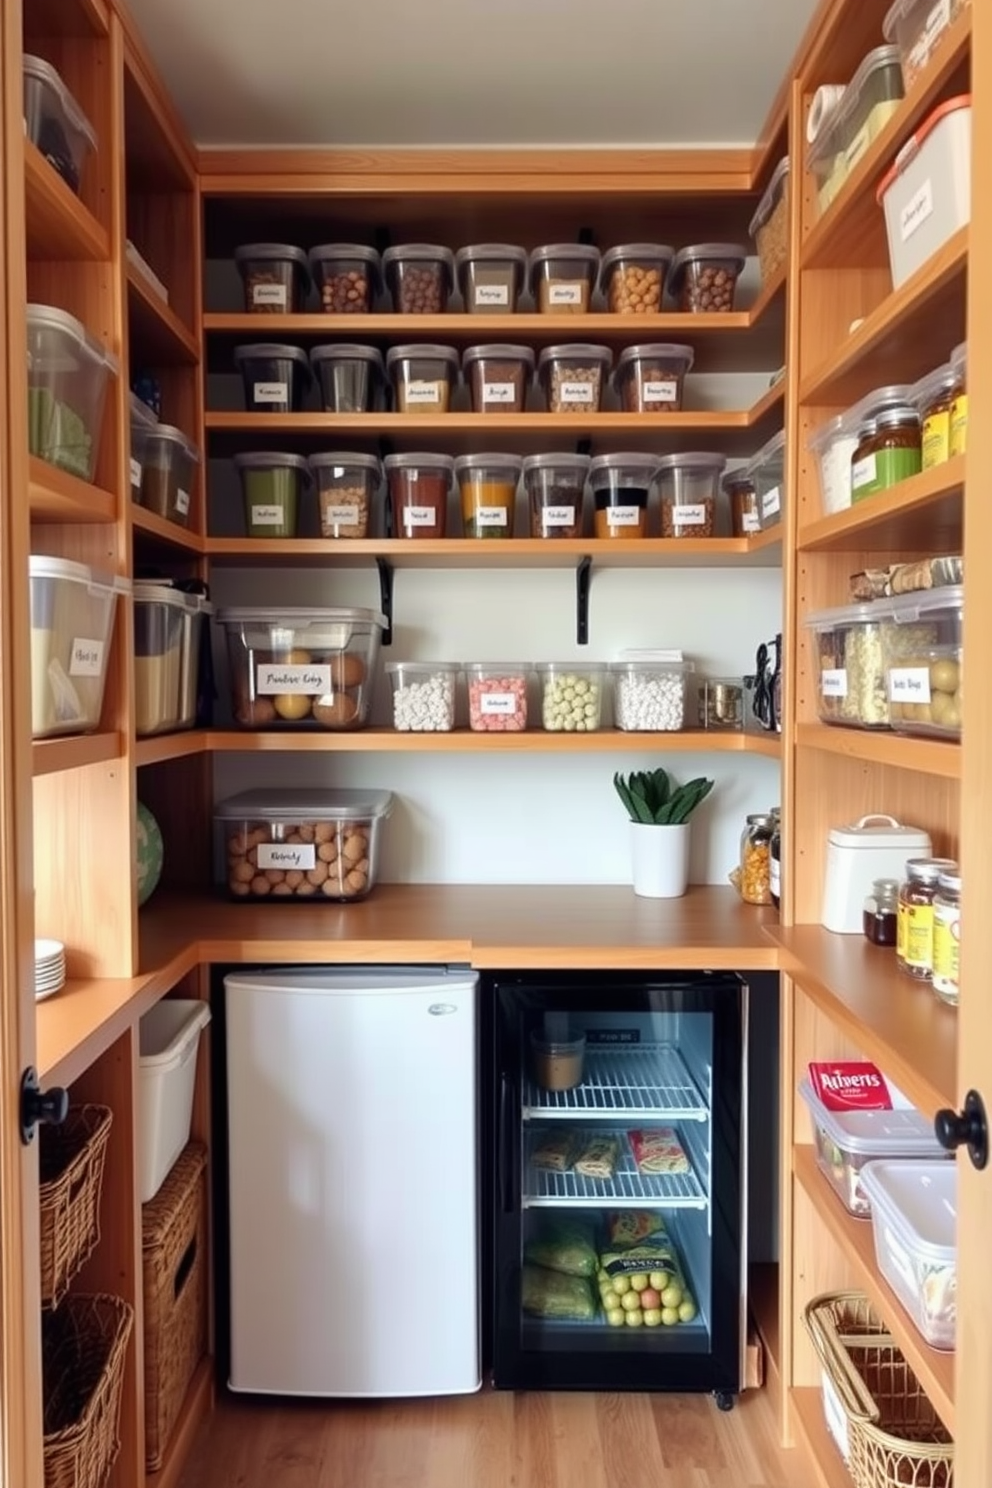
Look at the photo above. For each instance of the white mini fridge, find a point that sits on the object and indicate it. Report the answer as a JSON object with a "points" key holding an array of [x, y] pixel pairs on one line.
{"points": [[353, 1181]]}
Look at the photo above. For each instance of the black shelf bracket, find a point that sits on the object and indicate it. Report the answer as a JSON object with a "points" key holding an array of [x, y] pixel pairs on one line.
{"points": [[582, 574], [386, 597]]}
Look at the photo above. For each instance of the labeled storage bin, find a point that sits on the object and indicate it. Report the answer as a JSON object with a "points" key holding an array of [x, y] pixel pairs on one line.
{"points": [[168, 472], [703, 278], [300, 845], [767, 470], [870, 99], [67, 389], [856, 647], [926, 196], [276, 377], [651, 379], [418, 493], [688, 486], [54, 122], [914, 1225], [490, 277], [498, 377], [555, 485], [348, 377], [70, 1173], [348, 277], [632, 278], [497, 696], [159, 614], [832, 445], [420, 277], [918, 28], [272, 484], [745, 508], [174, 1263], [488, 487], [769, 226], [276, 278], [621, 490], [346, 483], [297, 668], [422, 377], [72, 622], [83, 1354], [423, 695], [168, 1037], [649, 691], [571, 696], [562, 277], [143, 421], [573, 377], [925, 682]]}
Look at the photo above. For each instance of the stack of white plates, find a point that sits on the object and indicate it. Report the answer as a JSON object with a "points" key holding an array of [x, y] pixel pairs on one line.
{"points": [[49, 968]]}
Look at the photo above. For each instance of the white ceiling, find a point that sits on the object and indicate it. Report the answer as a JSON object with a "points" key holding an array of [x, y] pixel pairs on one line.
{"points": [[473, 72]]}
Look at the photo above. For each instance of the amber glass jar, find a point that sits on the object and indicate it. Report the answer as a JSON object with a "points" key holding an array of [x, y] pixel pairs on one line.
{"points": [[936, 416], [914, 919], [881, 912], [745, 507], [756, 854], [890, 454]]}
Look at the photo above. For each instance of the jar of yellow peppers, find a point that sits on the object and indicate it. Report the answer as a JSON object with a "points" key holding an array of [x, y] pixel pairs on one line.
{"points": [[756, 856]]}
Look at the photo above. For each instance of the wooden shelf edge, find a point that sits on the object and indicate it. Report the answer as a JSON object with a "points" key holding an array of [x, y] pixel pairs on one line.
{"points": [[196, 1407], [485, 327], [763, 1301], [56, 496], [66, 226], [879, 747], [769, 294], [769, 400], [149, 522], [81, 1022], [853, 527], [819, 1447], [390, 741], [510, 552], [476, 423], [52, 756], [170, 325]]}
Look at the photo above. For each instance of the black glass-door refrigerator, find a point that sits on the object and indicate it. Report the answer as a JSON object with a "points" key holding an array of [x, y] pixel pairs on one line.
{"points": [[619, 1184]]}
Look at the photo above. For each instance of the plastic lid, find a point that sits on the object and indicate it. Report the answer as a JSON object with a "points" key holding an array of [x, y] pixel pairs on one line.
{"points": [[901, 1132], [735, 252], [654, 662], [894, 15], [876, 830], [496, 352], [498, 668], [582, 668], [906, 609], [577, 351], [493, 252], [50, 318], [421, 253], [662, 351], [920, 1198], [483, 461], [151, 591], [292, 617], [273, 351], [651, 253], [578, 253], [739, 476], [575, 464], [940, 380], [169, 434], [916, 141], [342, 804], [419, 460], [272, 251], [632, 460], [878, 58], [927, 870], [872, 403], [423, 666], [344, 460], [44, 72], [890, 418], [696, 460], [423, 352], [271, 460], [950, 881], [141, 413], [40, 566], [773, 449], [769, 200], [824, 433], [335, 252], [346, 351]]}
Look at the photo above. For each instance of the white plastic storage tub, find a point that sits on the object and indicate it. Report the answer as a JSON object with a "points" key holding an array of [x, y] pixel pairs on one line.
{"points": [[169, 1036], [67, 389], [72, 621], [914, 1221], [926, 196], [54, 122]]}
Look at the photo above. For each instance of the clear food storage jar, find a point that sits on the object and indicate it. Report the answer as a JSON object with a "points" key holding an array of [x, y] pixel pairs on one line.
{"points": [[870, 99], [649, 691], [632, 277], [688, 486], [159, 636], [420, 277], [573, 377], [272, 484], [914, 1214], [300, 844], [498, 377], [423, 377], [650, 379], [348, 376], [67, 388], [703, 278], [347, 483], [276, 278], [488, 487], [142, 421], [847, 1140], [571, 696], [72, 622], [555, 486], [767, 470], [926, 196], [348, 276], [423, 695], [769, 227], [302, 668], [497, 696], [918, 28], [197, 611], [832, 445], [490, 277], [276, 377], [168, 472], [562, 277], [621, 489], [557, 1064], [855, 645], [418, 493], [925, 683], [54, 122], [745, 508]]}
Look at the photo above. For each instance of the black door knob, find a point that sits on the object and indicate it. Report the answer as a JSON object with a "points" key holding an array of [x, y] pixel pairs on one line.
{"points": [[50, 1107], [968, 1128]]}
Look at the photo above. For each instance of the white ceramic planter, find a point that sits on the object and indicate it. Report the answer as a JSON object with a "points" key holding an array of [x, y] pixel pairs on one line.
{"points": [[659, 858]]}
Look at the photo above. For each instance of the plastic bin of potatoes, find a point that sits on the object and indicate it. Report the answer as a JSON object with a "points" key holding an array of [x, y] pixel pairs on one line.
{"points": [[299, 845]]}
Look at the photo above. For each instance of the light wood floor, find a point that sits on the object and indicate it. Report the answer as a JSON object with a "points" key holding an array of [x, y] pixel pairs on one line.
{"points": [[496, 1440]]}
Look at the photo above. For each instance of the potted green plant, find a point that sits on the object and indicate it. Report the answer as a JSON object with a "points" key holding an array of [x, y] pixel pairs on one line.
{"points": [[659, 812]]}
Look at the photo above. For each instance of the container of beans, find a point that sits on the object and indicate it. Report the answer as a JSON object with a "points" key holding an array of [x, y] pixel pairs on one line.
{"points": [[497, 696], [423, 695], [498, 377], [571, 696], [488, 486], [745, 509], [420, 277], [418, 493], [769, 226], [621, 486], [276, 278], [348, 277], [704, 278], [555, 486], [349, 377], [490, 277], [423, 377], [649, 690], [562, 277], [632, 277], [650, 379], [767, 470], [272, 484], [276, 378], [346, 487], [573, 377], [688, 486]]}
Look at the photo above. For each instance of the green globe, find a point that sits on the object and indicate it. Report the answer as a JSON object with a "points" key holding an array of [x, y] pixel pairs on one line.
{"points": [[149, 853]]}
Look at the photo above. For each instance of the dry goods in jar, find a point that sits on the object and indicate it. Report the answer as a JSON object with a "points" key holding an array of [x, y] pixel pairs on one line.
{"points": [[756, 855], [423, 696], [650, 379], [346, 485], [420, 277], [497, 698], [498, 377], [652, 700], [914, 914], [573, 376], [889, 451], [770, 224], [555, 486], [347, 276], [704, 278], [633, 278], [562, 277], [927, 690], [946, 980], [621, 487], [853, 687], [317, 858], [276, 277], [422, 377], [418, 493], [490, 276], [745, 508], [571, 698]]}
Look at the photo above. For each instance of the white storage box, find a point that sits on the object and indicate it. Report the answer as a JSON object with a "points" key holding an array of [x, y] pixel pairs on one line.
{"points": [[874, 847], [72, 621], [169, 1037], [926, 196], [914, 1217]]}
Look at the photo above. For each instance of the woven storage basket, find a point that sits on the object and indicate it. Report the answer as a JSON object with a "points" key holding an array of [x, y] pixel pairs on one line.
{"points": [[71, 1158], [84, 1345], [174, 1260], [895, 1436]]}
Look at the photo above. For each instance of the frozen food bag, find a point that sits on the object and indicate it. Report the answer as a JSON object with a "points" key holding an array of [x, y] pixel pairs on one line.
{"points": [[566, 1245], [552, 1295]]}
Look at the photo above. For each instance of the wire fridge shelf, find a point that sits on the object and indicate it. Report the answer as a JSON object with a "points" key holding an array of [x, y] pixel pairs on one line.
{"points": [[638, 1080], [627, 1188]]}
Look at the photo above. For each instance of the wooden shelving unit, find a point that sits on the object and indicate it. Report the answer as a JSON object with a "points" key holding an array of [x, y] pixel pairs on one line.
{"points": [[148, 524], [58, 224], [924, 512], [511, 552], [879, 747], [50, 756], [162, 335], [56, 496]]}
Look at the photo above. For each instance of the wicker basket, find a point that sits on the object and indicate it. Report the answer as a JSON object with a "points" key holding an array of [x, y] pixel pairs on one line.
{"points": [[174, 1260], [84, 1345], [71, 1158], [895, 1437]]}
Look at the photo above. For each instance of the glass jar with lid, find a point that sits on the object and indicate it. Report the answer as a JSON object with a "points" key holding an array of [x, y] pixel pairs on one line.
{"points": [[745, 508], [959, 401], [880, 912], [891, 454], [756, 852], [947, 937], [935, 400], [914, 921]]}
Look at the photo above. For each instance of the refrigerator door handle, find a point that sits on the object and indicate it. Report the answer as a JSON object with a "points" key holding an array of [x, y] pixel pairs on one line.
{"points": [[505, 1145]]}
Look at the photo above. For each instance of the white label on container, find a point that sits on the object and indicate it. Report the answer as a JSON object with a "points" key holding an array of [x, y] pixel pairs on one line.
{"points": [[422, 392], [693, 514], [660, 392], [771, 502], [558, 516], [182, 502], [899, 1256], [623, 516], [267, 516], [565, 294], [341, 516], [833, 682], [857, 147], [490, 516], [287, 855], [270, 392], [833, 1412], [909, 685], [269, 294], [492, 294], [86, 658], [135, 472], [576, 392], [751, 522], [863, 472], [499, 392], [916, 211], [281, 680], [502, 703], [419, 516]]}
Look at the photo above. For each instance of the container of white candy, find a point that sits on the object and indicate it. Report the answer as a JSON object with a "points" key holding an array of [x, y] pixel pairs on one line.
{"points": [[649, 689], [423, 695], [571, 696]]}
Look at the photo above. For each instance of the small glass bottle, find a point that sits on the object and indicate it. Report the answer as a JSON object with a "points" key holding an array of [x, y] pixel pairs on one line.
{"points": [[880, 912], [914, 928], [775, 859], [756, 840], [947, 938]]}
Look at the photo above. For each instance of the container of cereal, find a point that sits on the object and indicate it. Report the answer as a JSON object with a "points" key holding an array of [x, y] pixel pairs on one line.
{"points": [[632, 277], [346, 486], [159, 624], [555, 486], [498, 377], [832, 445], [54, 122], [855, 645], [649, 691], [925, 682], [142, 421], [418, 493], [703, 278], [621, 489], [562, 277], [870, 99], [490, 277], [688, 486], [767, 470], [420, 277], [348, 277], [770, 224], [308, 845], [926, 196], [571, 696], [349, 376], [650, 379], [914, 1213], [168, 473], [422, 377], [72, 622], [488, 487], [276, 278], [423, 695], [573, 377], [276, 377], [745, 508], [917, 28], [272, 484], [68, 371], [497, 696]]}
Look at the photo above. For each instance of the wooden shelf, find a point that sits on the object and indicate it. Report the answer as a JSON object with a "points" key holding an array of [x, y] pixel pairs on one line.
{"points": [[769, 295], [195, 1408], [893, 1019], [50, 756], [933, 1369], [924, 512], [773, 398], [515, 552], [158, 336], [59, 226], [879, 747], [56, 496], [80, 18], [806, 1413], [149, 524]]}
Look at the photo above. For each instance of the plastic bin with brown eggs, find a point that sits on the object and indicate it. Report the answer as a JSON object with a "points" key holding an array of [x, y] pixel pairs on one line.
{"points": [[299, 845]]}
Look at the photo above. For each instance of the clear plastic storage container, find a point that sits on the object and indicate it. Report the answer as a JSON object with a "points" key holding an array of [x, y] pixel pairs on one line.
{"points": [[769, 226], [418, 493], [649, 691], [497, 696], [573, 377], [555, 486], [423, 377], [572, 696], [925, 682], [159, 633], [651, 378], [300, 844], [272, 484], [917, 28], [348, 276], [348, 376], [688, 487], [926, 196], [914, 1214], [276, 377], [67, 388], [621, 492], [498, 377], [870, 99], [745, 508], [346, 488], [72, 622], [490, 277], [703, 278], [420, 277], [767, 470], [168, 1040], [423, 695], [832, 445], [168, 473], [54, 122], [632, 277], [855, 647], [562, 277], [198, 611], [143, 421], [276, 278], [488, 487], [302, 668]]}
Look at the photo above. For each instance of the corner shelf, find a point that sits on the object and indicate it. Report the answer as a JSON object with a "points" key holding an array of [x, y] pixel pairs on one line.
{"points": [[155, 327], [51, 756], [924, 512], [58, 225], [56, 496], [941, 757]]}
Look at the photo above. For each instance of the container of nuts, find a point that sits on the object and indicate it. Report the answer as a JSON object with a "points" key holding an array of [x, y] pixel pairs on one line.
{"points": [[348, 277], [423, 695], [555, 486], [498, 377], [703, 278], [687, 488], [769, 226], [420, 277], [632, 277], [299, 845], [649, 689], [573, 377], [490, 277], [422, 377], [346, 486], [276, 278], [571, 696], [562, 278], [650, 379]]}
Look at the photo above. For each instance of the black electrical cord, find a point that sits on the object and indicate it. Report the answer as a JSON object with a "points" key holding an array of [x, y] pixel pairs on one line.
{"points": [[763, 702]]}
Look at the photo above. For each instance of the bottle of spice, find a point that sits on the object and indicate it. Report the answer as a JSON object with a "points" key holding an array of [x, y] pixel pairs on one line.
{"points": [[914, 925], [756, 840], [881, 912], [947, 937], [936, 417], [775, 860], [959, 403], [889, 455], [745, 508]]}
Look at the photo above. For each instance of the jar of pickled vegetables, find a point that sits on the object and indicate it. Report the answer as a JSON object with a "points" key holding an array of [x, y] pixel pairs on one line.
{"points": [[756, 858]]}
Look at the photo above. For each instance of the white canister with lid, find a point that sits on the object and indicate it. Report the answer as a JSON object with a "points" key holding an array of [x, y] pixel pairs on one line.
{"points": [[874, 847]]}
